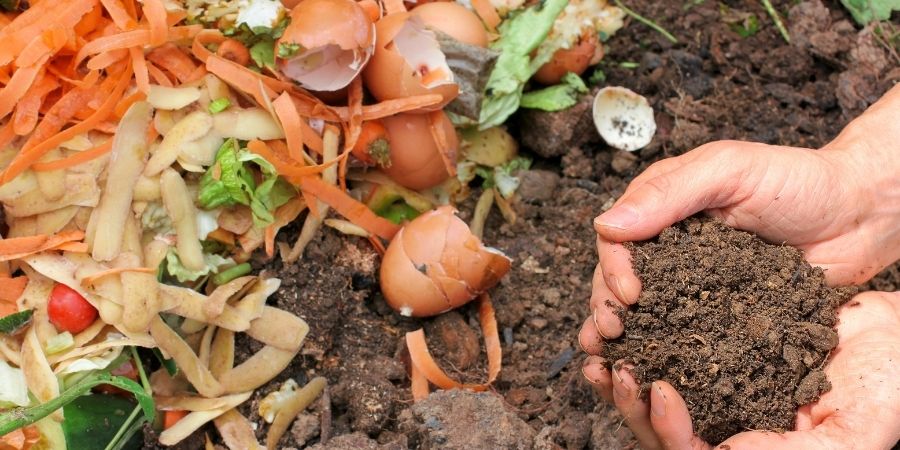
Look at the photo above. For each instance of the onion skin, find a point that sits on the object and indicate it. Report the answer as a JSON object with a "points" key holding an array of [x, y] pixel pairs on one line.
{"points": [[415, 159], [435, 264], [388, 76], [575, 59]]}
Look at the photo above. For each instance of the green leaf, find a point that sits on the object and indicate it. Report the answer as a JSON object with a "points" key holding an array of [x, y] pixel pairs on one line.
{"points": [[231, 181], [14, 322], [19, 417], [865, 11], [597, 77], [520, 34], [558, 97], [218, 105], [263, 53], [399, 213], [213, 262], [747, 28], [93, 420], [260, 41], [169, 364], [287, 50]]}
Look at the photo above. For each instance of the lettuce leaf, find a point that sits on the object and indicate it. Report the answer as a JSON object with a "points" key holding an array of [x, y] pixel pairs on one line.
{"points": [[558, 97], [214, 263], [232, 180], [13, 388], [865, 11], [520, 35]]}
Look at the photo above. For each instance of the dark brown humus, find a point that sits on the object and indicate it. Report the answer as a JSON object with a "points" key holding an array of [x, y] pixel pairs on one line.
{"points": [[739, 327]]}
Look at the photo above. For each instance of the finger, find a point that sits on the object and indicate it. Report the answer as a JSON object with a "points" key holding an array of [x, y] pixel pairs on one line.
{"points": [[605, 314], [673, 196], [656, 169], [595, 372], [671, 420], [589, 338], [626, 396], [618, 273]]}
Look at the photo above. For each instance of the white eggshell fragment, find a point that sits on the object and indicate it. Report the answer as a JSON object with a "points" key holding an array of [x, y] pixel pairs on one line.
{"points": [[623, 118]]}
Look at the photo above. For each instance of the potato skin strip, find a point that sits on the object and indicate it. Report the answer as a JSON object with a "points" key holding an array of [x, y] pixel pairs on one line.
{"points": [[187, 360], [424, 363], [90, 279], [293, 407]]}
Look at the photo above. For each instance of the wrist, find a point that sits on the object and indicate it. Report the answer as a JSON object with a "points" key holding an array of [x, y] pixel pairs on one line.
{"points": [[867, 157]]}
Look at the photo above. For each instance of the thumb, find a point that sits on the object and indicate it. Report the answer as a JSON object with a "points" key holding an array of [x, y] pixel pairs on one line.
{"points": [[704, 182]]}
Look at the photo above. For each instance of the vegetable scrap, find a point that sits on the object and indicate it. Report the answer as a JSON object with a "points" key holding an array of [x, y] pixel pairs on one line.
{"points": [[152, 150]]}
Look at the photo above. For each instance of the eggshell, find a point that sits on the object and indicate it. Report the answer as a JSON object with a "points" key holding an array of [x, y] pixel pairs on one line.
{"points": [[336, 39], [415, 159], [406, 56], [623, 118], [438, 247], [455, 20], [575, 59]]}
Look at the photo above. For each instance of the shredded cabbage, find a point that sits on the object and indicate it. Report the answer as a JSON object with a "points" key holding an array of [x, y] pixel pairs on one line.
{"points": [[214, 263]]}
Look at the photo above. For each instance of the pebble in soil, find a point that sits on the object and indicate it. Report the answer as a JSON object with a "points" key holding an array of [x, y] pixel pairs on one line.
{"points": [[739, 327]]}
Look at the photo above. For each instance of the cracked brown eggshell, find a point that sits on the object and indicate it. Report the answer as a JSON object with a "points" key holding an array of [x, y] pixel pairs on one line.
{"points": [[416, 161], [435, 264], [333, 39], [408, 61]]}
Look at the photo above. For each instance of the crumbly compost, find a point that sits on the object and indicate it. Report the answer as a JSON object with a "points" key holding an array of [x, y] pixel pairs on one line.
{"points": [[739, 327]]}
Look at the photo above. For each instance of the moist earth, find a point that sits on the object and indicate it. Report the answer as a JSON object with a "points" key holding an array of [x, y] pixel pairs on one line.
{"points": [[739, 327], [714, 84]]}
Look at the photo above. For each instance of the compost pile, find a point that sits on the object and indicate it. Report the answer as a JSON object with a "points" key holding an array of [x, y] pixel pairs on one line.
{"points": [[739, 327]]}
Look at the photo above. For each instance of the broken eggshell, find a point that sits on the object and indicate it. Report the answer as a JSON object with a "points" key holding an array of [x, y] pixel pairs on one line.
{"points": [[623, 118], [454, 20], [408, 61], [415, 158], [327, 44], [435, 264]]}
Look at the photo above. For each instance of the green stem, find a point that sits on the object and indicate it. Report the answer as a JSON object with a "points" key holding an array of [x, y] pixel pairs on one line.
{"points": [[647, 22], [232, 273], [778, 23], [124, 428], [140, 367]]}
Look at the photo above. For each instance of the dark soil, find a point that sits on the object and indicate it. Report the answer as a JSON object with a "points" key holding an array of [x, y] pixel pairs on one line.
{"points": [[714, 84], [739, 327]]}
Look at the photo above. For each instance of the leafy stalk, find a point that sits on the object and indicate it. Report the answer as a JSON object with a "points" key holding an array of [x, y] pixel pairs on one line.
{"points": [[647, 22], [16, 418], [778, 23]]}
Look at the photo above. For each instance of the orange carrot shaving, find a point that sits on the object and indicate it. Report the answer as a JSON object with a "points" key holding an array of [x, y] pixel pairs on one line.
{"points": [[240, 77], [448, 155], [488, 14], [16, 88], [172, 59], [106, 59], [26, 115], [155, 13], [42, 46], [357, 213], [377, 244], [74, 160], [90, 22], [120, 16], [12, 288], [141, 75], [291, 123], [20, 247], [37, 19], [283, 163], [74, 247], [353, 128], [90, 279], [159, 76], [269, 240], [422, 360], [7, 134], [391, 107], [393, 7], [202, 39], [31, 153], [234, 51], [20, 439], [133, 38], [126, 103], [419, 384]]}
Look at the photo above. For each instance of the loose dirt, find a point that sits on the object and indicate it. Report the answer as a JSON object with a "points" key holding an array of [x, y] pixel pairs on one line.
{"points": [[739, 327]]}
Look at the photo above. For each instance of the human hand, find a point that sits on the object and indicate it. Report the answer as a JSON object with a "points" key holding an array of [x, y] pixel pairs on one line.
{"points": [[861, 411]]}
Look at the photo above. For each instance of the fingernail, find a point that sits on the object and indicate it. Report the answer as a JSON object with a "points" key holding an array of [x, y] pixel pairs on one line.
{"points": [[614, 283], [658, 401], [597, 318], [619, 217], [619, 387], [590, 361]]}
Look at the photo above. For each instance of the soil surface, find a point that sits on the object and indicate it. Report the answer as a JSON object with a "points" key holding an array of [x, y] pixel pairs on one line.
{"points": [[739, 327], [713, 84]]}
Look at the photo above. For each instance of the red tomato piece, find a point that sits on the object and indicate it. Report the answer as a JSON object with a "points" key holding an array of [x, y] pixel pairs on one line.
{"points": [[69, 311]]}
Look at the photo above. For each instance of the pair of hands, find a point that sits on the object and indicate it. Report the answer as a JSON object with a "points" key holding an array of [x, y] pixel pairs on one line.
{"points": [[840, 205]]}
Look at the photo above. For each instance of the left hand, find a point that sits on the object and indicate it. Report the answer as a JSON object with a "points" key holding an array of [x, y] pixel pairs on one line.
{"points": [[861, 411]]}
